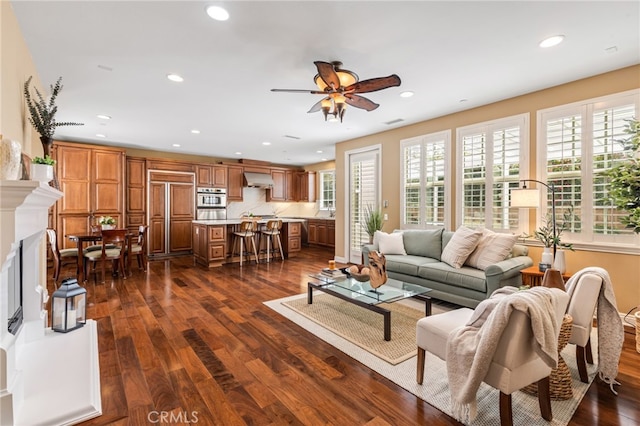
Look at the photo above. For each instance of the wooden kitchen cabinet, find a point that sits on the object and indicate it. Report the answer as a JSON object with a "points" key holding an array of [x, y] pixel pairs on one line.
{"points": [[235, 182], [278, 191], [209, 244], [291, 186], [307, 185], [219, 175], [211, 176], [292, 238], [135, 206], [204, 176], [92, 179], [321, 232]]}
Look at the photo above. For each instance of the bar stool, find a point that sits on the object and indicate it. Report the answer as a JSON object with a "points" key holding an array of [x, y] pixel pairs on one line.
{"points": [[272, 232], [247, 230]]}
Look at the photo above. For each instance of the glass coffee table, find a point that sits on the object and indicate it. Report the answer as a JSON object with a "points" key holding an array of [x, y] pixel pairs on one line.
{"points": [[362, 294]]}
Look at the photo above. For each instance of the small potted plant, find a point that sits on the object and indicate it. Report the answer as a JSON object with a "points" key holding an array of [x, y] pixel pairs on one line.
{"points": [[372, 221], [42, 168], [107, 222], [545, 235]]}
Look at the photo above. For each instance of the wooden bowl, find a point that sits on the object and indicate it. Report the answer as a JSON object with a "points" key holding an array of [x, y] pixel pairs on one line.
{"points": [[358, 277]]}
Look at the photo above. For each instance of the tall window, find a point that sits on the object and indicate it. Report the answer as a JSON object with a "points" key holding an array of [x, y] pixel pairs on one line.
{"points": [[491, 161], [364, 192], [425, 183], [327, 190], [578, 143]]}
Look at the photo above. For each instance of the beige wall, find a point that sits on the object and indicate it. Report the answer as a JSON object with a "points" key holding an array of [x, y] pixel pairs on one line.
{"points": [[16, 65], [624, 269]]}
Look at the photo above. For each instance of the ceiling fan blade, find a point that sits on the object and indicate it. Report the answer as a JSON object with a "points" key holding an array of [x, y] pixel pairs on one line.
{"points": [[317, 106], [313, 92], [327, 73], [374, 84], [360, 102]]}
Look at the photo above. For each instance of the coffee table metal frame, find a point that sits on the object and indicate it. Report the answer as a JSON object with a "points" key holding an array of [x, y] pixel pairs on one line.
{"points": [[372, 301]]}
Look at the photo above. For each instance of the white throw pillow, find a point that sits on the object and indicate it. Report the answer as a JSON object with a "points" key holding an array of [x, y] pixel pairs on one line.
{"points": [[462, 243], [390, 243], [492, 248]]}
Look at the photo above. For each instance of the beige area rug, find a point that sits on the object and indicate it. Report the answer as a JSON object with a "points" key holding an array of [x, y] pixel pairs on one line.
{"points": [[363, 327], [435, 390]]}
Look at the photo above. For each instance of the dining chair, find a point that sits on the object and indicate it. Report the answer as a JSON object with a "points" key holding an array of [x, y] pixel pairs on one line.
{"points": [[139, 248], [116, 238], [60, 256]]}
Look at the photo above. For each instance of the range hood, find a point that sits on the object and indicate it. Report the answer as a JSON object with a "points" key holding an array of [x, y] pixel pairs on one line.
{"points": [[258, 180]]}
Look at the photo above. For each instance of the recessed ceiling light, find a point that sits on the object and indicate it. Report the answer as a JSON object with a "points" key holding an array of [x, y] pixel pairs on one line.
{"points": [[319, 151], [238, 153], [104, 117], [175, 77], [217, 13], [176, 145], [100, 135], [195, 131], [323, 159], [406, 94], [551, 41], [266, 143]]}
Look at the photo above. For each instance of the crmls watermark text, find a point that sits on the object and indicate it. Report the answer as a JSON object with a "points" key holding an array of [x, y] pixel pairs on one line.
{"points": [[165, 417]]}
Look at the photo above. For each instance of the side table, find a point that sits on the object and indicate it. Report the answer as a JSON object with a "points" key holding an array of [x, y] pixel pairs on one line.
{"points": [[532, 276]]}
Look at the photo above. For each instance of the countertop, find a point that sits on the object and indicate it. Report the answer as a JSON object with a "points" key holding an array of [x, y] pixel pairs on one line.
{"points": [[237, 221]]}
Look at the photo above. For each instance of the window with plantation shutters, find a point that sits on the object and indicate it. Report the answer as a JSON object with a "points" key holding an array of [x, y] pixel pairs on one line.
{"points": [[578, 143], [327, 190], [424, 168], [491, 161]]}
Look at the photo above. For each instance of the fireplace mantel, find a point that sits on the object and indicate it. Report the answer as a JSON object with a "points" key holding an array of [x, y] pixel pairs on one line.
{"points": [[37, 383]]}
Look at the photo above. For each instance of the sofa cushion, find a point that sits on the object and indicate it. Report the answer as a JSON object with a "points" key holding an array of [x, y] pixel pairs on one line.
{"points": [[407, 264], [390, 243], [467, 277], [492, 248], [423, 242], [463, 242]]}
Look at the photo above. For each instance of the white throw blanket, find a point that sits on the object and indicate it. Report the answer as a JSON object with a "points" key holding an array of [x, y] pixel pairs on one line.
{"points": [[471, 348], [610, 328]]}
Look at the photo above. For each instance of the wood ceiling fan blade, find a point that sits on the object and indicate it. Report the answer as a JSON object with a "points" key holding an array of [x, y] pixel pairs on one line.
{"points": [[327, 73], [313, 92], [360, 102], [316, 107], [374, 84]]}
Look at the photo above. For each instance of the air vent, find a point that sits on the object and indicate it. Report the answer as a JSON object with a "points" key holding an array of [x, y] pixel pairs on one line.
{"points": [[292, 137], [397, 120]]}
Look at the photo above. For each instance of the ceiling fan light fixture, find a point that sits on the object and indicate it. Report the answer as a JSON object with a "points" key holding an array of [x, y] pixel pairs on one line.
{"points": [[346, 77]]}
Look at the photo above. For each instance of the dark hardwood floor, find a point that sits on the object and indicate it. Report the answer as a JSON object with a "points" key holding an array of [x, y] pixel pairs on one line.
{"points": [[199, 346]]}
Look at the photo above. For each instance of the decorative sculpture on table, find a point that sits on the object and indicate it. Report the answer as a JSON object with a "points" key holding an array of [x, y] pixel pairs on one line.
{"points": [[377, 269]]}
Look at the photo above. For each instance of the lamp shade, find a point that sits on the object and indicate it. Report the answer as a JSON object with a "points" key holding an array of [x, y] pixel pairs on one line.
{"points": [[525, 198]]}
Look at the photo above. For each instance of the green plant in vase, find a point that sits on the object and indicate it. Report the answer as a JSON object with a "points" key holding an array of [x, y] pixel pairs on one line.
{"points": [[47, 160], [372, 221]]}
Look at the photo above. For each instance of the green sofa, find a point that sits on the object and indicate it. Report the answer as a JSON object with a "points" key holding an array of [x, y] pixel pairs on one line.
{"points": [[466, 286]]}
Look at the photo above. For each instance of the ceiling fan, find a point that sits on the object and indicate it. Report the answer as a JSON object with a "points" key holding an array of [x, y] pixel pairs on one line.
{"points": [[341, 87]]}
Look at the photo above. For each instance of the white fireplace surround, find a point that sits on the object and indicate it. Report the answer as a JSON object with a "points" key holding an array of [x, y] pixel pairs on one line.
{"points": [[45, 377]]}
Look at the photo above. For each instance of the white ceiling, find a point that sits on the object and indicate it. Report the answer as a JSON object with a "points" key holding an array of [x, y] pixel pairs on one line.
{"points": [[114, 57]]}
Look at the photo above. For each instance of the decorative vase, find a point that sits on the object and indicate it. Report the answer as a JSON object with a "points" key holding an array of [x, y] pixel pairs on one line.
{"points": [[10, 159], [42, 172], [47, 145], [547, 259], [377, 269], [560, 262], [108, 227]]}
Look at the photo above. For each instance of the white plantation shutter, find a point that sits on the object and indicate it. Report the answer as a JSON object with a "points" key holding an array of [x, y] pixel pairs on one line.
{"points": [[425, 166], [363, 193], [578, 143], [491, 161]]}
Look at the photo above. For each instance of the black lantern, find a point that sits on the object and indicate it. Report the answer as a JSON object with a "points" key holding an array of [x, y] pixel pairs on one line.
{"points": [[68, 306]]}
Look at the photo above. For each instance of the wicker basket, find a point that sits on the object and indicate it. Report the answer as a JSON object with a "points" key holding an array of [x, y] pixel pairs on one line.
{"points": [[560, 377]]}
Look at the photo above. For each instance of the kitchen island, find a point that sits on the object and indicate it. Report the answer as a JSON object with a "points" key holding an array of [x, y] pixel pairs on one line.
{"points": [[213, 240]]}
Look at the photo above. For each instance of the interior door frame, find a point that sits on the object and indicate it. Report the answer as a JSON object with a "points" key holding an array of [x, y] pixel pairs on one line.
{"points": [[377, 151]]}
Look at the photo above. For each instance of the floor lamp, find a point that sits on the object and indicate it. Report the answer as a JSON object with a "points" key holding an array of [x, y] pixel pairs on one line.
{"points": [[530, 198]]}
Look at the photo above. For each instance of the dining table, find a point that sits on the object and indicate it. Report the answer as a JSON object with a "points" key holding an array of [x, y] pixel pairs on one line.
{"points": [[95, 237]]}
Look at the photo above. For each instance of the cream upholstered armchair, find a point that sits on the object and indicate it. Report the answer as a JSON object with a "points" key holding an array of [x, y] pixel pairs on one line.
{"points": [[515, 363]]}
